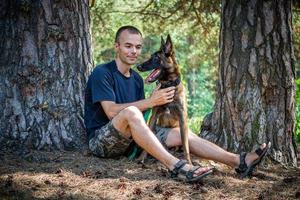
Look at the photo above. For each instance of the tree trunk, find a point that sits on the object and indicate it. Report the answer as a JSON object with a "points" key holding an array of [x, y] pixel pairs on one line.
{"points": [[45, 57], [255, 93]]}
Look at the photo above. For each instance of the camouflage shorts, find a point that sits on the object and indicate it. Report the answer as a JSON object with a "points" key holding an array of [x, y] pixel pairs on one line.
{"points": [[161, 134], [108, 142]]}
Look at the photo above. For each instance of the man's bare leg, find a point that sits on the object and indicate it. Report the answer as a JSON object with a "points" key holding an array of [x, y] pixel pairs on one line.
{"points": [[130, 123], [208, 150]]}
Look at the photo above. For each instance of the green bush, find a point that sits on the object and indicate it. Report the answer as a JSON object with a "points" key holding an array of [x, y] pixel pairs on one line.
{"points": [[200, 96], [297, 121]]}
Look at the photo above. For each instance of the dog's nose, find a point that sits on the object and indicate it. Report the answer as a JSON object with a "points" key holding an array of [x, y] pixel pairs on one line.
{"points": [[139, 67]]}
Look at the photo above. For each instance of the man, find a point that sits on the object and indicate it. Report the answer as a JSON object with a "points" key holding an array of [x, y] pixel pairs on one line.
{"points": [[114, 103]]}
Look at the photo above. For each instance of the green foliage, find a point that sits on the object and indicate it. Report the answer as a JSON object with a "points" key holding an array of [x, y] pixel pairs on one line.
{"points": [[194, 28], [194, 123], [194, 34], [200, 93], [296, 41], [296, 44], [297, 122]]}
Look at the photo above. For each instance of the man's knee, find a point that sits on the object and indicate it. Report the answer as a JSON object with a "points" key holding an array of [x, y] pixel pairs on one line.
{"points": [[127, 116], [132, 113]]}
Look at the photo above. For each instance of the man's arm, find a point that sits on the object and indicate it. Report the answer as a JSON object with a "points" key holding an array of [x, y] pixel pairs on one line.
{"points": [[158, 97]]}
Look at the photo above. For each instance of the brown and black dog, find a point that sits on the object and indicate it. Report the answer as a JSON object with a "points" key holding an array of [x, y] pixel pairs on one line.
{"points": [[166, 72]]}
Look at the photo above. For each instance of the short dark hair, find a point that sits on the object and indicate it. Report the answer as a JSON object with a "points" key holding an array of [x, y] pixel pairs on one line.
{"points": [[130, 29]]}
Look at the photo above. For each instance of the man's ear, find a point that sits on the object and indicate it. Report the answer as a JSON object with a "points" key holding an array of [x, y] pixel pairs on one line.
{"points": [[162, 44], [168, 46], [117, 45]]}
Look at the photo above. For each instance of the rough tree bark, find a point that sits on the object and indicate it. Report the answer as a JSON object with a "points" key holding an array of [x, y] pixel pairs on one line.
{"points": [[45, 57], [255, 92]]}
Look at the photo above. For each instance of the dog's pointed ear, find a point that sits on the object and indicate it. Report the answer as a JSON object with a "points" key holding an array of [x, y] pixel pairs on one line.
{"points": [[168, 46], [162, 43]]}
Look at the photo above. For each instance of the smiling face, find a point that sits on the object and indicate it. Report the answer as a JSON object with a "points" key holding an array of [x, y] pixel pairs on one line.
{"points": [[128, 47]]}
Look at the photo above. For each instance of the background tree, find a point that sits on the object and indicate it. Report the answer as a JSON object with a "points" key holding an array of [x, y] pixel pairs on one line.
{"points": [[256, 90], [45, 57]]}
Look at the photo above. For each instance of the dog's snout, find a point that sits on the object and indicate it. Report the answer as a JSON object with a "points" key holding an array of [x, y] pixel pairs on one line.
{"points": [[139, 67], [147, 65]]}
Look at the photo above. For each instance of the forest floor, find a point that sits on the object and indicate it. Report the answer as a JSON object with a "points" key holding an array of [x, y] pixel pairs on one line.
{"points": [[75, 175]]}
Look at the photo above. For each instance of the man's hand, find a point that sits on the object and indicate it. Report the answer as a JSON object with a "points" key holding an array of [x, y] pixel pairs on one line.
{"points": [[162, 96], [158, 97]]}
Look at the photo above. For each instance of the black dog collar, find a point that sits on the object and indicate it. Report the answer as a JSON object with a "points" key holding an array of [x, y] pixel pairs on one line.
{"points": [[171, 83]]}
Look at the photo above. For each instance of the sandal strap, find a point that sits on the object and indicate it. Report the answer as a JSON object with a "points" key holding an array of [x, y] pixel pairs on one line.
{"points": [[243, 166], [178, 167], [190, 174], [259, 151]]}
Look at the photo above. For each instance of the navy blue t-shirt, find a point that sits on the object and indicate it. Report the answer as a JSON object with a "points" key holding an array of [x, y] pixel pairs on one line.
{"points": [[107, 83]]}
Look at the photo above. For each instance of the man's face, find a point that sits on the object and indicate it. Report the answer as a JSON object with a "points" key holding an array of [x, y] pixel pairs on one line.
{"points": [[129, 47]]}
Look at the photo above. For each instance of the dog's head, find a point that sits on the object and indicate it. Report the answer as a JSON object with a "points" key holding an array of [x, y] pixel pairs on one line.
{"points": [[162, 63]]}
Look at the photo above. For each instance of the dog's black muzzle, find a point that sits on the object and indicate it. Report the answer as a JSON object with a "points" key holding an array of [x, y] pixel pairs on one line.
{"points": [[140, 67], [152, 63]]}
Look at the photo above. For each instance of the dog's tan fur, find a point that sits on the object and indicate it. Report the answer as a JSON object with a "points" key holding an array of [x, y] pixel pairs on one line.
{"points": [[173, 114]]}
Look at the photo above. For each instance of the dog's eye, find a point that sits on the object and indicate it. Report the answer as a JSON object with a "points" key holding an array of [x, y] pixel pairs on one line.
{"points": [[155, 59]]}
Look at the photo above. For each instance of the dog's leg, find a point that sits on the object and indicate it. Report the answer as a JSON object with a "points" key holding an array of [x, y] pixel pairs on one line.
{"points": [[153, 119], [152, 126], [184, 134]]}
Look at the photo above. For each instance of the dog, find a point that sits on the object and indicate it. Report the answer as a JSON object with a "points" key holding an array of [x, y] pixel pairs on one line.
{"points": [[166, 72]]}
